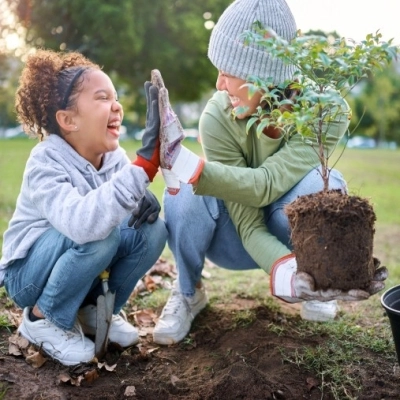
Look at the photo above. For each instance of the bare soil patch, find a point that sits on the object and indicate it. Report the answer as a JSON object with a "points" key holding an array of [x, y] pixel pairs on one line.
{"points": [[219, 360], [225, 357]]}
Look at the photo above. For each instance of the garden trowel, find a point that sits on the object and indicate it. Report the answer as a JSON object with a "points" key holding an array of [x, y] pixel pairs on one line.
{"points": [[105, 307]]}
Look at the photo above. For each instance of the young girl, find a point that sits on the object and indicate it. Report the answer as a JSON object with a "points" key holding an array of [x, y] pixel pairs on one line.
{"points": [[79, 197]]}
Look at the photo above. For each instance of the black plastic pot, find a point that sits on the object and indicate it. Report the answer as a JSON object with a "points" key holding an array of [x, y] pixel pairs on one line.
{"points": [[390, 301]]}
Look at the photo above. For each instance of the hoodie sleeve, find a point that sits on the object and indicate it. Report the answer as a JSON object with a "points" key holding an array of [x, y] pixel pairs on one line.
{"points": [[79, 212]]}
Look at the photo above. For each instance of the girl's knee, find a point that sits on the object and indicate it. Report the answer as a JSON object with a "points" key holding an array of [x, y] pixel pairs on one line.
{"points": [[106, 246], [156, 234]]}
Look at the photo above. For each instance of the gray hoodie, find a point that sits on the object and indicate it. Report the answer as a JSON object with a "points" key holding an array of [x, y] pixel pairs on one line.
{"points": [[62, 190]]}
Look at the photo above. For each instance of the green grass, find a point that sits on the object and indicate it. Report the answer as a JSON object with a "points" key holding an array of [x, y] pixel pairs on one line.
{"points": [[336, 361], [370, 173]]}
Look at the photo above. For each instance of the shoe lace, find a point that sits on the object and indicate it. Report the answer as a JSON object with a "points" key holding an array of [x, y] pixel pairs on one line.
{"points": [[75, 331], [175, 303]]}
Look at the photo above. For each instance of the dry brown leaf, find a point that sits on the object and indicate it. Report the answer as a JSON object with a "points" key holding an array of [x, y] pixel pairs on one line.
{"points": [[19, 341], [144, 317], [150, 284], [140, 287], [107, 367], [35, 359], [130, 391], [91, 376], [17, 345], [110, 368], [14, 350], [65, 378], [149, 351], [164, 268]]}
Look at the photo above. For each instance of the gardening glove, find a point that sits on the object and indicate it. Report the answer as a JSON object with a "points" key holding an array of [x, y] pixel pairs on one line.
{"points": [[148, 156], [147, 210], [182, 164], [292, 286], [171, 181], [186, 165]]}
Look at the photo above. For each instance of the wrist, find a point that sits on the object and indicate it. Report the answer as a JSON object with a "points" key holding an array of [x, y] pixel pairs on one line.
{"points": [[187, 166], [282, 276], [149, 168]]}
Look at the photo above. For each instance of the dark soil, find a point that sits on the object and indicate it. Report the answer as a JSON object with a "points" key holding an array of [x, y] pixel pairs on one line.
{"points": [[226, 356], [333, 237]]}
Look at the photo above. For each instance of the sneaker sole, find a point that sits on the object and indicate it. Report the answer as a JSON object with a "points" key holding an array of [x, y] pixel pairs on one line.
{"points": [[21, 330], [161, 338]]}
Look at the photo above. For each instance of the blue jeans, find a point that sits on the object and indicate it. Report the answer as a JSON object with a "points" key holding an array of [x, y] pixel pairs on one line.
{"points": [[199, 227], [59, 275]]}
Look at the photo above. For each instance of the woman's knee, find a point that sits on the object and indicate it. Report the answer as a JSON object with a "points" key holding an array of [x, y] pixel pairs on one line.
{"points": [[180, 204]]}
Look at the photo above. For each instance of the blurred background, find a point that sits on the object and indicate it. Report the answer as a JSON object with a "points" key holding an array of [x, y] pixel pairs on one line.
{"points": [[129, 38]]}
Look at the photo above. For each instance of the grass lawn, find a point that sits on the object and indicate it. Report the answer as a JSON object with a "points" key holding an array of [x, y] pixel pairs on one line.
{"points": [[370, 173]]}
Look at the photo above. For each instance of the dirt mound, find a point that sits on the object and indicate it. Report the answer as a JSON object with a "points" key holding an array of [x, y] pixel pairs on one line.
{"points": [[225, 357]]}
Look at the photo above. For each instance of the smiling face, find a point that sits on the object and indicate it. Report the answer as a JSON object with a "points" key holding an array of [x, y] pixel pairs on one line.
{"points": [[238, 94], [96, 119]]}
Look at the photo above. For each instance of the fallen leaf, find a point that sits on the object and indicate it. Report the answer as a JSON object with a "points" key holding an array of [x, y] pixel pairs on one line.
{"points": [[144, 318], [35, 359], [17, 345], [106, 366], [152, 350], [150, 283], [130, 391], [91, 376], [14, 350], [65, 378]]}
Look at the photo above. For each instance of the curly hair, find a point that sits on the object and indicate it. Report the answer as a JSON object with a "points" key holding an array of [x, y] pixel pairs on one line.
{"points": [[50, 81]]}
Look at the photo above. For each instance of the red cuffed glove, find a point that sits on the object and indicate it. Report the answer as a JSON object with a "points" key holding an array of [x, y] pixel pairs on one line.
{"points": [[292, 286], [148, 156], [178, 164]]}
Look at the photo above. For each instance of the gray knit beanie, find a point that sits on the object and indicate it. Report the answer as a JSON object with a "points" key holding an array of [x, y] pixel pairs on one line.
{"points": [[231, 56]]}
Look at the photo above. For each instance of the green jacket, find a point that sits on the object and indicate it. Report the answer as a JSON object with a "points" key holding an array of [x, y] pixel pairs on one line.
{"points": [[249, 173]]}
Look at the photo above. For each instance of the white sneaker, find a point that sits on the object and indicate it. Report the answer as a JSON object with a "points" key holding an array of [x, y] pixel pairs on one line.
{"points": [[322, 311], [121, 331], [177, 316], [67, 347]]}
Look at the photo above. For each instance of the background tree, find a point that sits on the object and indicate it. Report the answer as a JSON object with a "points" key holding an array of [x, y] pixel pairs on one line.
{"points": [[377, 106], [130, 37], [10, 68]]}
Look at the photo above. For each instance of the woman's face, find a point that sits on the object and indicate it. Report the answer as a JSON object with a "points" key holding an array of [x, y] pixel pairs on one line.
{"points": [[238, 94], [97, 118]]}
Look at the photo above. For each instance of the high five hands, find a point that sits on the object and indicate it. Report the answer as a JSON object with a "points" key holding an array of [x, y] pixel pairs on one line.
{"points": [[178, 164]]}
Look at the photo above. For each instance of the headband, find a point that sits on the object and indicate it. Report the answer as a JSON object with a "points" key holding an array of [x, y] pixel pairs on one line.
{"points": [[70, 87]]}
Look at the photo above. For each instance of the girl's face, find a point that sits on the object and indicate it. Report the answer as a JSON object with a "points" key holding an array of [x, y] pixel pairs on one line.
{"points": [[238, 93], [97, 118]]}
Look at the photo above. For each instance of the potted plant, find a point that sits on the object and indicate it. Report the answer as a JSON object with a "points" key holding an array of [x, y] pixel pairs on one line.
{"points": [[332, 232]]}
